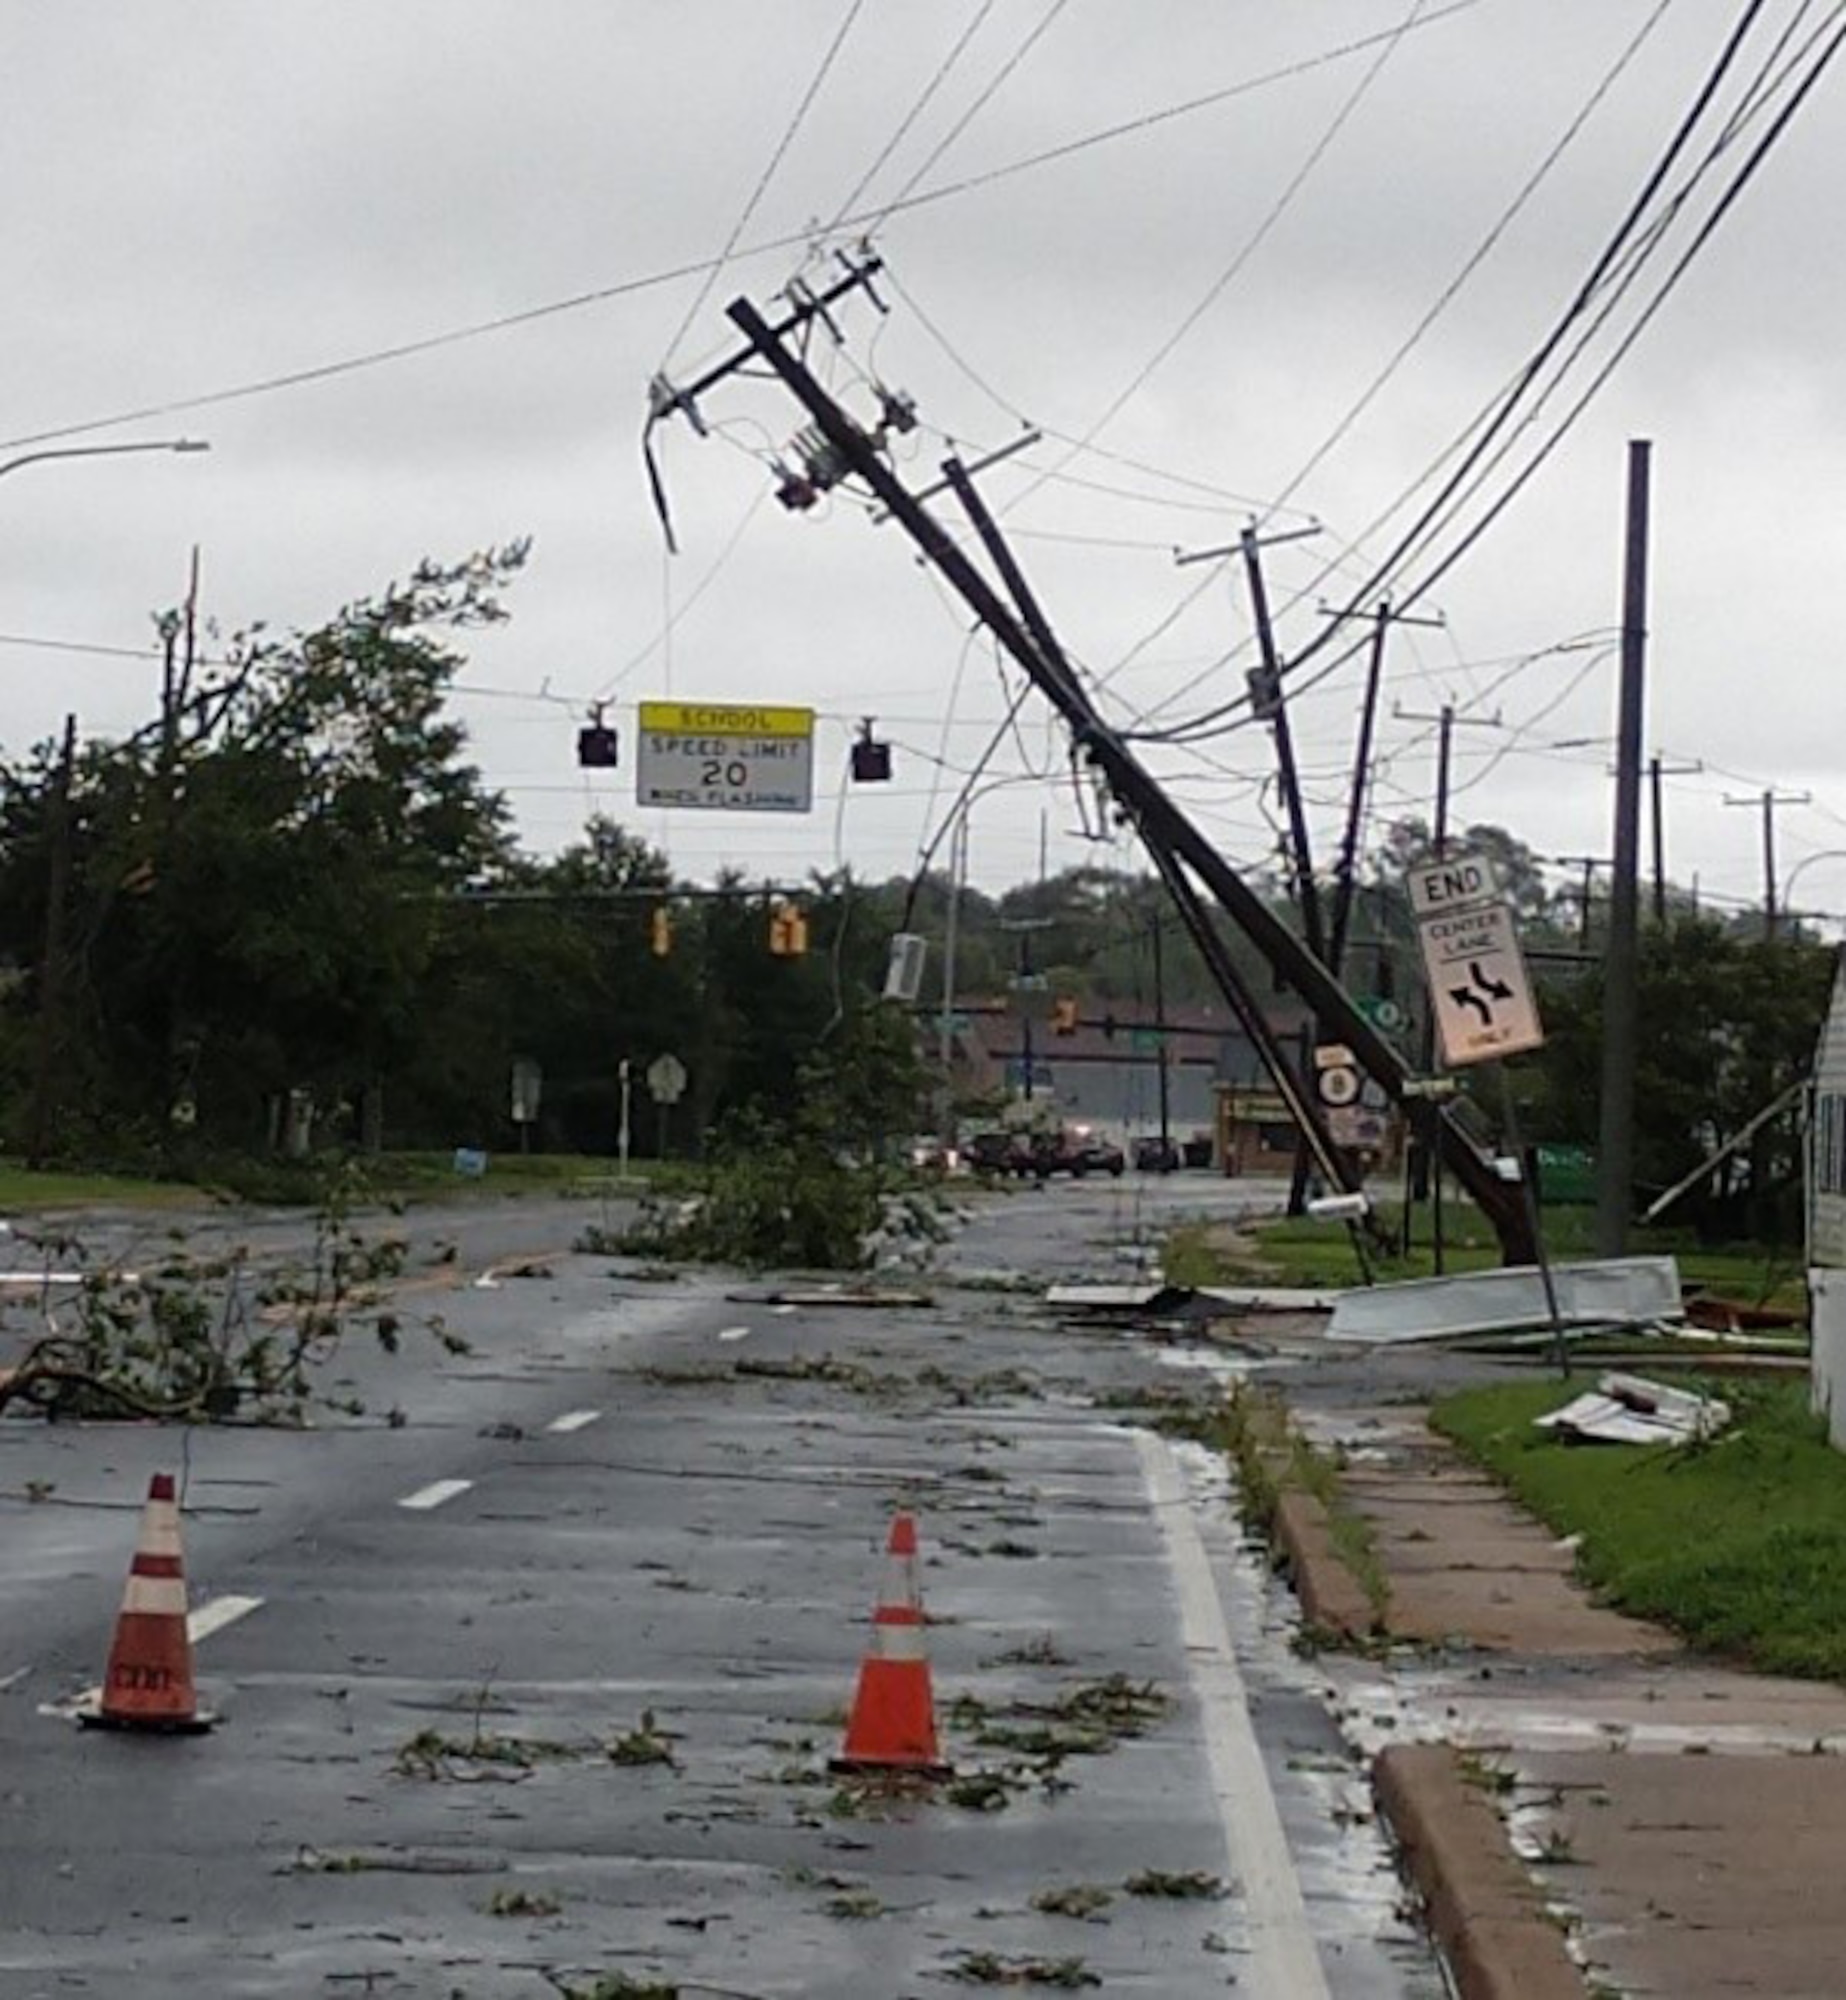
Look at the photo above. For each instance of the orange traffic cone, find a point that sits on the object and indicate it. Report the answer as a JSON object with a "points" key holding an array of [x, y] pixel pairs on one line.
{"points": [[149, 1681], [893, 1722]]}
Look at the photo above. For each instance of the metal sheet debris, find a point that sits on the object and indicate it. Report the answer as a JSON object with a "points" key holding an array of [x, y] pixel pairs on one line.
{"points": [[1615, 1291], [1269, 1298], [1119, 1298], [1628, 1409]]}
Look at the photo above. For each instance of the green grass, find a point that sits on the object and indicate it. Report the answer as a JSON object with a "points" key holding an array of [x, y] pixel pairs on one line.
{"points": [[23, 1190], [1299, 1251], [1738, 1544]]}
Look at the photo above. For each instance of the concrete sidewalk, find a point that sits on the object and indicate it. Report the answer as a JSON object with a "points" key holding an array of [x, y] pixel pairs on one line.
{"points": [[1663, 1826]]}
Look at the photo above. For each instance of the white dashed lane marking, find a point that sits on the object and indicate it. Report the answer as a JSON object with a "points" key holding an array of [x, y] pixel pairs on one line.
{"points": [[433, 1495], [735, 1333], [218, 1613], [572, 1420]]}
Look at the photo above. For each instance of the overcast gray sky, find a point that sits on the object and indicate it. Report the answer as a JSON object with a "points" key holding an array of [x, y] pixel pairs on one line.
{"points": [[218, 193]]}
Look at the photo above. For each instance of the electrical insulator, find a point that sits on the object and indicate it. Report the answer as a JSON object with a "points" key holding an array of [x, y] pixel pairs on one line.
{"points": [[821, 459], [795, 490], [660, 933], [897, 410]]}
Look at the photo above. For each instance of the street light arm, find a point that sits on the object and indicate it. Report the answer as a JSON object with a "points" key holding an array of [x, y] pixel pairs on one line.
{"points": [[1800, 868], [103, 451]]}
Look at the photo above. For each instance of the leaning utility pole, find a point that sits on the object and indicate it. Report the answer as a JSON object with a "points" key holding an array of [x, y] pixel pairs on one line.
{"points": [[1767, 802], [1160, 1029], [1346, 869], [1268, 704], [1179, 851], [1621, 1002]]}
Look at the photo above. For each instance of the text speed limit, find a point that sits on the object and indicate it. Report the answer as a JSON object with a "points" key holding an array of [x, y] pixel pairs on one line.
{"points": [[725, 757]]}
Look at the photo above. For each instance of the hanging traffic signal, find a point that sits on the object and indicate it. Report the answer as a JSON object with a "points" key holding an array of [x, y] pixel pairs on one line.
{"points": [[788, 930], [599, 748], [871, 757], [1064, 1016], [660, 932]]}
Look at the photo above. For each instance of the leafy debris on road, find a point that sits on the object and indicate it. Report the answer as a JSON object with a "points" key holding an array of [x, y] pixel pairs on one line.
{"points": [[854, 1906], [1192, 1886], [991, 1968], [430, 1754], [646, 1743], [1080, 1899], [524, 1903], [616, 1986]]}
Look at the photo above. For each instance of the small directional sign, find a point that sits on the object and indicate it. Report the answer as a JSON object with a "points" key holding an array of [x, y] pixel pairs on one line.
{"points": [[666, 1079], [1477, 977]]}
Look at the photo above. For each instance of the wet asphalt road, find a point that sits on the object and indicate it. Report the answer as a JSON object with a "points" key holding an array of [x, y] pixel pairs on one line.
{"points": [[641, 1500]]}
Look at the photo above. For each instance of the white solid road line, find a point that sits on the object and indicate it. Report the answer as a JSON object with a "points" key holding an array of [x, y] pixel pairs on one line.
{"points": [[735, 1333], [218, 1612], [572, 1420], [1283, 1958], [433, 1495]]}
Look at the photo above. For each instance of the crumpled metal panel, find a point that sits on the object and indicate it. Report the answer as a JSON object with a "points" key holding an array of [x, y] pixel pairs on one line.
{"points": [[1613, 1291]]}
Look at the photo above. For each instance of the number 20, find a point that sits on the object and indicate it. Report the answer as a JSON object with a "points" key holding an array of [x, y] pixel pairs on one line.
{"points": [[735, 774]]}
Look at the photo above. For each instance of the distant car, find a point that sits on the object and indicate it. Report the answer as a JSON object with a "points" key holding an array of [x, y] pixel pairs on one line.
{"points": [[1154, 1155], [999, 1153], [1076, 1153]]}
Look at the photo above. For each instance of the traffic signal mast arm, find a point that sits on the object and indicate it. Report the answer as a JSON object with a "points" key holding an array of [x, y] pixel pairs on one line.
{"points": [[1170, 836]]}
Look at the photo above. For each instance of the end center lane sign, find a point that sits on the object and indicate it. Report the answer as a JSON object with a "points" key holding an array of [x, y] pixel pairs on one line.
{"points": [[1478, 986], [725, 756]]}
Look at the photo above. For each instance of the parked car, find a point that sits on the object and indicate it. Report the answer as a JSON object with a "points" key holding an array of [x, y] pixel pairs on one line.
{"points": [[999, 1153], [1155, 1155], [1076, 1152]]}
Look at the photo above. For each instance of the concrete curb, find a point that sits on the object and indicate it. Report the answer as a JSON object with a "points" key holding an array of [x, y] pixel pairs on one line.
{"points": [[1483, 1909], [1332, 1598]]}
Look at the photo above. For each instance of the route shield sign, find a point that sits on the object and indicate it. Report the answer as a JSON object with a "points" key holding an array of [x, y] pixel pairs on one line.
{"points": [[725, 756], [666, 1079], [1478, 987]]}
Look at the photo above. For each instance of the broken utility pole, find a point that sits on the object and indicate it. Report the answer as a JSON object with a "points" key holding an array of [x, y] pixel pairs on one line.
{"points": [[1177, 847]]}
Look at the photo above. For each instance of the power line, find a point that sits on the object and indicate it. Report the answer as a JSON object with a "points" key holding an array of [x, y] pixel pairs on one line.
{"points": [[697, 267], [1452, 290], [910, 117], [973, 111], [1384, 576], [765, 177]]}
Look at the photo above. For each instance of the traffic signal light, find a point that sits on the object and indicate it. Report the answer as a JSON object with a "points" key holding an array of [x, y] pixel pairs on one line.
{"points": [[1064, 1016], [660, 932], [788, 930], [599, 748], [871, 757]]}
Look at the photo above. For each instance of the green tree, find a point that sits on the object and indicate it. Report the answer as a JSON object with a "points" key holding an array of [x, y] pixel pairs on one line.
{"points": [[254, 877], [1727, 1022]]}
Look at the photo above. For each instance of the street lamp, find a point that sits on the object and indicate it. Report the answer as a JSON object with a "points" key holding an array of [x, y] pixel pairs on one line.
{"points": [[50, 977], [102, 451], [1800, 868]]}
